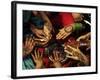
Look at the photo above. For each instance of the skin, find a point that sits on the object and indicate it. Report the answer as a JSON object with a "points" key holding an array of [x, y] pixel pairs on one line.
{"points": [[55, 58], [64, 32], [85, 38], [38, 59], [77, 17], [28, 45], [76, 54], [44, 35], [67, 30]]}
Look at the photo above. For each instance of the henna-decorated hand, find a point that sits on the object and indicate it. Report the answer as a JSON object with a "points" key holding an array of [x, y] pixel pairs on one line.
{"points": [[64, 32], [76, 54]]}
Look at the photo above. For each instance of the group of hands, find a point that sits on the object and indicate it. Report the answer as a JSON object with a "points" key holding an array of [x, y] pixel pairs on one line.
{"points": [[37, 55], [30, 41], [38, 59], [71, 52]]}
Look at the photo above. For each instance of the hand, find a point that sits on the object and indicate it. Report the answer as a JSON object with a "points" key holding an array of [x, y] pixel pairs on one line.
{"points": [[28, 46], [64, 32], [38, 59], [76, 54], [77, 17], [85, 41], [55, 58], [84, 37]]}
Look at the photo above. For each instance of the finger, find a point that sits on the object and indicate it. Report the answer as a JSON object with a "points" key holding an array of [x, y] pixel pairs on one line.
{"points": [[28, 42], [64, 36], [72, 57], [42, 35], [72, 48], [30, 39], [41, 55], [56, 56], [33, 43], [78, 39], [81, 37], [67, 34], [60, 32], [31, 46], [44, 39], [35, 54], [60, 58], [68, 52], [59, 35], [33, 57], [38, 54], [51, 58]]}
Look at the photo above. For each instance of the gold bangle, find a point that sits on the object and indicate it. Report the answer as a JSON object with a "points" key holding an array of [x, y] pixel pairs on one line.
{"points": [[65, 29]]}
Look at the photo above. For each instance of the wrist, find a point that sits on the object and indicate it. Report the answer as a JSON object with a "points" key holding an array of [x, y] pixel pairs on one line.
{"points": [[57, 64], [39, 66], [68, 29]]}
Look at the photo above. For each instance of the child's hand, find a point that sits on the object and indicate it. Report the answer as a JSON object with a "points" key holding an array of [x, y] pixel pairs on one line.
{"points": [[38, 59], [55, 58], [28, 45]]}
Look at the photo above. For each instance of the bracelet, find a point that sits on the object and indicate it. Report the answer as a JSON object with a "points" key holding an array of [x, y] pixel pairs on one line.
{"points": [[67, 31]]}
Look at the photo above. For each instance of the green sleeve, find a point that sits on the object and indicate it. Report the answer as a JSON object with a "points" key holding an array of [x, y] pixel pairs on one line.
{"points": [[77, 26]]}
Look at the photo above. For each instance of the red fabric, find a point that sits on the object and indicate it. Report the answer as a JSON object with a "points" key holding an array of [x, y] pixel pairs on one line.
{"points": [[46, 62], [66, 19], [72, 42], [45, 58], [41, 50]]}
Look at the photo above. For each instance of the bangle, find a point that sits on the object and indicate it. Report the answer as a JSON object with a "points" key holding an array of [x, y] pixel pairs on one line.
{"points": [[67, 29]]}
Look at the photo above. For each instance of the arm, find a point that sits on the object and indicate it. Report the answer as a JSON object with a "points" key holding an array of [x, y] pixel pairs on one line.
{"points": [[67, 21], [46, 19]]}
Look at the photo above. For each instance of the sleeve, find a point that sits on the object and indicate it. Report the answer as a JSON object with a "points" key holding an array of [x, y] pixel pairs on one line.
{"points": [[28, 64], [66, 19]]}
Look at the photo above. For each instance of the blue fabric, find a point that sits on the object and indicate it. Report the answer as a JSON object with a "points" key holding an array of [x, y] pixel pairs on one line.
{"points": [[28, 64], [38, 22]]}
